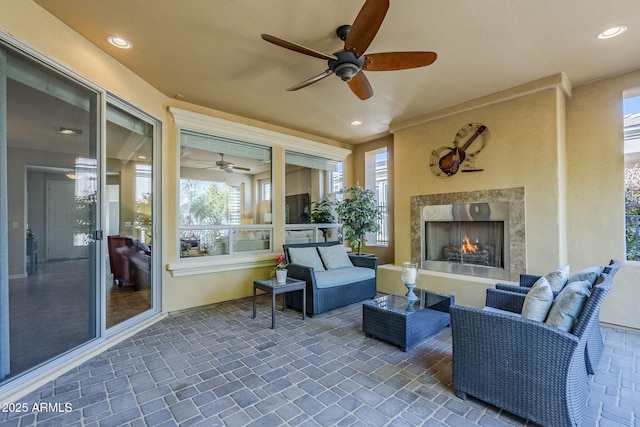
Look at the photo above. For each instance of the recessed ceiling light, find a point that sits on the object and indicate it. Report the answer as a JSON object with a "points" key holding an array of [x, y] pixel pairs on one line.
{"points": [[120, 42], [612, 32], [355, 123], [142, 157]]}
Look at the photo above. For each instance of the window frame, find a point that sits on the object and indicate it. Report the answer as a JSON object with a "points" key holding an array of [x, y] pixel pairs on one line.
{"points": [[631, 149], [372, 171], [219, 127]]}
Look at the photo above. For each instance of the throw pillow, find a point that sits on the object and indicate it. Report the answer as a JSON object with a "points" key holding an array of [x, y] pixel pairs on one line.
{"points": [[590, 274], [334, 256], [538, 301], [568, 305], [306, 256], [558, 278]]}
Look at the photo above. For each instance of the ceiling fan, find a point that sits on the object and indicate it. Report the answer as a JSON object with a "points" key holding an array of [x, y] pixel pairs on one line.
{"points": [[349, 63], [228, 166]]}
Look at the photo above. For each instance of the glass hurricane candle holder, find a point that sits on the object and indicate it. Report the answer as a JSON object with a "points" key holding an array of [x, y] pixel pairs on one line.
{"points": [[410, 279]]}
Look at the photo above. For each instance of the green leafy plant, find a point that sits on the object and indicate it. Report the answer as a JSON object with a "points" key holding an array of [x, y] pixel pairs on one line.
{"points": [[632, 202], [359, 214], [321, 211]]}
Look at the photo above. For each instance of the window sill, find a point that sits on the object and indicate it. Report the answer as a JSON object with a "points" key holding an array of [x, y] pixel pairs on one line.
{"points": [[206, 265]]}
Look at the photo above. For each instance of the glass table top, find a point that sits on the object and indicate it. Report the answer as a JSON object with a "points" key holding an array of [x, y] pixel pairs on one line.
{"points": [[401, 305]]}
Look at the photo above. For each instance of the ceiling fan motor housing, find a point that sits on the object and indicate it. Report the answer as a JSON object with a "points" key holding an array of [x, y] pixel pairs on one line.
{"points": [[347, 65]]}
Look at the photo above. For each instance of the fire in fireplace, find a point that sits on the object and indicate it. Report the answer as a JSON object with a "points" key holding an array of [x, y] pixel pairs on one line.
{"points": [[457, 238]]}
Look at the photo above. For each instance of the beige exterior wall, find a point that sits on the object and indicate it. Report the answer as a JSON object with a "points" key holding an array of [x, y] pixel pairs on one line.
{"points": [[565, 148], [574, 197], [595, 199], [522, 151]]}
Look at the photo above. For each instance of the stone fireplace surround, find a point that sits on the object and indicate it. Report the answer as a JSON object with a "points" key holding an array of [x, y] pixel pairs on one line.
{"points": [[517, 242]]}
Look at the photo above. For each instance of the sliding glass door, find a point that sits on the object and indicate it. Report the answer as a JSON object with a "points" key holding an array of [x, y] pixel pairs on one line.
{"points": [[129, 215], [50, 197], [77, 195]]}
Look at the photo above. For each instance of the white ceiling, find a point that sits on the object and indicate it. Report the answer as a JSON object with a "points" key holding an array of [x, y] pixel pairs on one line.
{"points": [[211, 53]]}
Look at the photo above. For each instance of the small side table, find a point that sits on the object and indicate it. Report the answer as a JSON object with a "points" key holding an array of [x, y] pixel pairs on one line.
{"points": [[274, 288]]}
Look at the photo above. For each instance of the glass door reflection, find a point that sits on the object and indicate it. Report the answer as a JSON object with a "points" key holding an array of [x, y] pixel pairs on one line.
{"points": [[129, 216]]}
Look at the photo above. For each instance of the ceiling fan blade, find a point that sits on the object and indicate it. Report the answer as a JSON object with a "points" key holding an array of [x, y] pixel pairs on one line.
{"points": [[311, 80], [390, 61], [240, 168], [366, 26], [359, 85], [296, 47]]}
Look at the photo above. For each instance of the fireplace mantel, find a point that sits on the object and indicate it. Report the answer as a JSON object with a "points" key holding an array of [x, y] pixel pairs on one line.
{"points": [[515, 229]]}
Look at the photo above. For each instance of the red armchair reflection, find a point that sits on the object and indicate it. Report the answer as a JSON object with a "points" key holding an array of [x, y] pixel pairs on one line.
{"points": [[130, 262]]}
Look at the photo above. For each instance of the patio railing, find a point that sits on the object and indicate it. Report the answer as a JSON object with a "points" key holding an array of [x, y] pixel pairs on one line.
{"points": [[633, 232], [383, 234]]}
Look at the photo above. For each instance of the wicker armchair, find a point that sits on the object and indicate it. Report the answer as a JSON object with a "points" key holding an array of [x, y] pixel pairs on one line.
{"points": [[526, 281], [502, 298], [528, 368]]}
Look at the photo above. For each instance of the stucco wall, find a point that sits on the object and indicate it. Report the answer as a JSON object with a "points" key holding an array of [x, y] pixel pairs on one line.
{"points": [[522, 151], [565, 147], [595, 195]]}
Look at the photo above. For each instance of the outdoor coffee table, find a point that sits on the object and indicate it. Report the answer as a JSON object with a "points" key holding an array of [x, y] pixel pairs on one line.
{"points": [[394, 319], [275, 288]]}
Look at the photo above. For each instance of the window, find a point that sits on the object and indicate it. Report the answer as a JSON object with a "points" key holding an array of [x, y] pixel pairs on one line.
{"points": [[310, 182], [376, 178], [632, 176], [266, 191], [337, 178], [225, 196]]}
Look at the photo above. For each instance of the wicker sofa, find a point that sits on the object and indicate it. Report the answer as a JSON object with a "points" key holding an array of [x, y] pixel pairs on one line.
{"points": [[527, 367], [329, 288], [503, 298]]}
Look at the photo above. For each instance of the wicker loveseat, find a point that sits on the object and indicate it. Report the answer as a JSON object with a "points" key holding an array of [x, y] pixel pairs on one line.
{"points": [[503, 298], [327, 287], [527, 367]]}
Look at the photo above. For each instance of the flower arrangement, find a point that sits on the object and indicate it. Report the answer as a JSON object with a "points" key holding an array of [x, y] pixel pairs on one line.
{"points": [[281, 264]]}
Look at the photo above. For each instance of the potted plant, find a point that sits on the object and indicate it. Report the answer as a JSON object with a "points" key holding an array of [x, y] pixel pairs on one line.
{"points": [[359, 214], [321, 211], [321, 214], [281, 269]]}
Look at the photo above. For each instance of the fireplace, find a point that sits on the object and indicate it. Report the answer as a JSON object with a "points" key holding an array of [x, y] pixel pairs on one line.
{"points": [[466, 236], [479, 233]]}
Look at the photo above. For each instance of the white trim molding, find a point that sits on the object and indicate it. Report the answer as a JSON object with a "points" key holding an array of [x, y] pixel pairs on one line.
{"points": [[215, 264], [247, 133]]}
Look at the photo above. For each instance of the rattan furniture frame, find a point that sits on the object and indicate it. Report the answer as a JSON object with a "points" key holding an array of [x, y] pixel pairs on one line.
{"points": [[406, 323], [526, 367]]}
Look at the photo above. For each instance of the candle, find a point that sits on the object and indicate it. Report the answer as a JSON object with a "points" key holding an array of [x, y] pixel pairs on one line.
{"points": [[410, 275]]}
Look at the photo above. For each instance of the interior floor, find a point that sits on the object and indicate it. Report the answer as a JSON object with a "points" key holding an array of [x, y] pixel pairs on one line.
{"points": [[51, 311]]}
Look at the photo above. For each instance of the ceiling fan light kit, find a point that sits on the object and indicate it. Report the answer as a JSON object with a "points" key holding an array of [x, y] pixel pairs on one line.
{"points": [[349, 62]]}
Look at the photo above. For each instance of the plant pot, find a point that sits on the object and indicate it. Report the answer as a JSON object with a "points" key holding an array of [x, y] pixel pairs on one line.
{"points": [[281, 276]]}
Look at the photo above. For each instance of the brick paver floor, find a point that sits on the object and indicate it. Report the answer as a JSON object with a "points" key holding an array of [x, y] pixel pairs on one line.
{"points": [[215, 366]]}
